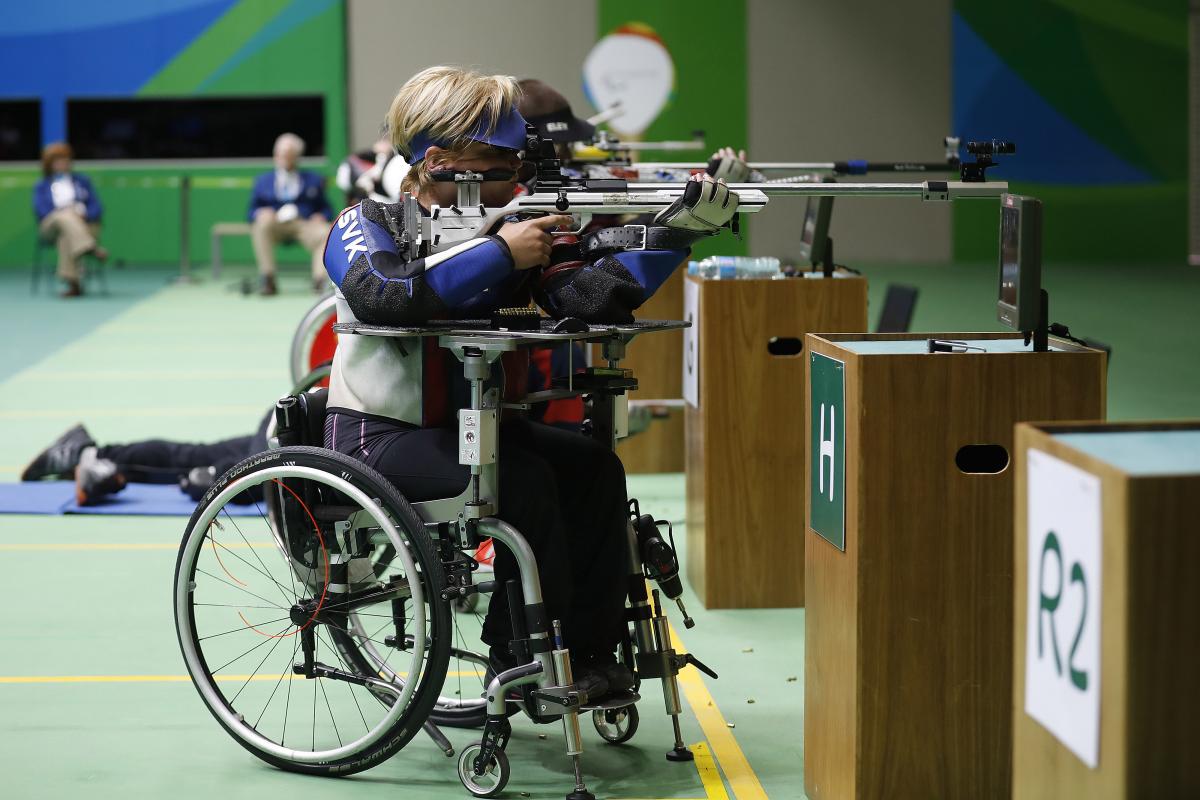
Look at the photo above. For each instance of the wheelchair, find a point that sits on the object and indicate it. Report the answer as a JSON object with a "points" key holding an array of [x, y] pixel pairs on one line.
{"points": [[313, 343], [361, 583]]}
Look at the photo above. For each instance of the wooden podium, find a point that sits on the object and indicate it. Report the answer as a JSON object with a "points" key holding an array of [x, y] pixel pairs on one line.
{"points": [[908, 555], [745, 476], [657, 361], [1126, 615]]}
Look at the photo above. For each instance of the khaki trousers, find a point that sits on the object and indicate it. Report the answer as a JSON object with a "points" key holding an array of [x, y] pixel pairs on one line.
{"points": [[74, 236], [266, 231]]}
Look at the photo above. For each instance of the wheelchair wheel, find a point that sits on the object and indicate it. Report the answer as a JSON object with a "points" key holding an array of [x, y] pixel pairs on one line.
{"points": [[616, 725], [261, 601], [460, 703], [495, 775], [314, 340]]}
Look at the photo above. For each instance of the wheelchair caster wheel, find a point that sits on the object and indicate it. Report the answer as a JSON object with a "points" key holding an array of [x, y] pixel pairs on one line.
{"points": [[495, 774], [616, 725], [465, 605]]}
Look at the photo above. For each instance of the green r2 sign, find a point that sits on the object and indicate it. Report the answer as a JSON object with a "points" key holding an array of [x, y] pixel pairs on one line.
{"points": [[827, 449]]}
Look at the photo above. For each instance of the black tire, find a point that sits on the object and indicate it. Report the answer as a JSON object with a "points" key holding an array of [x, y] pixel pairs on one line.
{"points": [[616, 725], [423, 554]]}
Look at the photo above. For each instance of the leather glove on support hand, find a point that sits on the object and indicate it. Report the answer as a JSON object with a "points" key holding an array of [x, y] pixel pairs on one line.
{"points": [[705, 207]]}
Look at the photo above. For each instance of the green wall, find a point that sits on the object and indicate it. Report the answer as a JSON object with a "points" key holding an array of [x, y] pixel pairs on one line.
{"points": [[257, 47], [1095, 93], [710, 78]]}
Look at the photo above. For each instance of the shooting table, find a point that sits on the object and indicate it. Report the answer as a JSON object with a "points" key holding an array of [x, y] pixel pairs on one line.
{"points": [[461, 335], [1125, 574], [745, 438], [909, 555]]}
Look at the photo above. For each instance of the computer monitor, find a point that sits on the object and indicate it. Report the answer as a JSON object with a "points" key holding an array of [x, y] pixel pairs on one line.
{"points": [[1020, 274], [814, 231]]}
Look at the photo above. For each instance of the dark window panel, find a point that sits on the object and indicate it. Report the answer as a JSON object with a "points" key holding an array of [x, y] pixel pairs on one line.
{"points": [[192, 127], [20, 130]]}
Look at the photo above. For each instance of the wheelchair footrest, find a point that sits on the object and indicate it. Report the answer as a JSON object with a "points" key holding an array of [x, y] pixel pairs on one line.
{"points": [[611, 701]]}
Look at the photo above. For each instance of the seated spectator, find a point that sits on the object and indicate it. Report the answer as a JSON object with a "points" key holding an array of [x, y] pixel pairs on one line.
{"points": [[289, 205], [374, 173], [68, 213]]}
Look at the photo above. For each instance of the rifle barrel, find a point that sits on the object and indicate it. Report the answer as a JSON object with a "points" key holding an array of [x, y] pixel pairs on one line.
{"points": [[926, 190]]}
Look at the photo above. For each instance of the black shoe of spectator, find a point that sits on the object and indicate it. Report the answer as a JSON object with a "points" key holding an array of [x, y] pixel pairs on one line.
{"points": [[268, 286], [74, 289], [96, 478], [60, 458], [320, 285]]}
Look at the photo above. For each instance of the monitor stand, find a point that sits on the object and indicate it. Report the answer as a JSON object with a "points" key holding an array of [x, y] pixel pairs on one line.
{"points": [[1041, 334], [827, 265]]}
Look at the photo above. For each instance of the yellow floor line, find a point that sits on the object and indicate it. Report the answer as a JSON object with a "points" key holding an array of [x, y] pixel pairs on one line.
{"points": [[742, 779], [72, 376], [714, 787], [89, 413], [67, 546], [175, 678], [729, 755]]}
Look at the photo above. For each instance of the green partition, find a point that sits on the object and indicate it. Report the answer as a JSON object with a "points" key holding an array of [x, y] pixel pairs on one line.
{"points": [[710, 80], [257, 47]]}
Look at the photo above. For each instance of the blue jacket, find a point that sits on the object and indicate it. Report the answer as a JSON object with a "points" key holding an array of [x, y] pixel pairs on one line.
{"points": [[471, 279], [43, 200], [311, 199]]}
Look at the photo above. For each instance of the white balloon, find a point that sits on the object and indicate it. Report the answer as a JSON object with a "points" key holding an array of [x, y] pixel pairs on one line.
{"points": [[634, 71]]}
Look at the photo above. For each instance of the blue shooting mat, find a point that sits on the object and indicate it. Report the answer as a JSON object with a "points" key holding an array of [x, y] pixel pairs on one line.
{"points": [[37, 497], [136, 499]]}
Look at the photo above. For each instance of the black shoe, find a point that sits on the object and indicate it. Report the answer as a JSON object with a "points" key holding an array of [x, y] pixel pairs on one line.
{"points": [[592, 682], [619, 677], [96, 478], [268, 287], [198, 481], [59, 459]]}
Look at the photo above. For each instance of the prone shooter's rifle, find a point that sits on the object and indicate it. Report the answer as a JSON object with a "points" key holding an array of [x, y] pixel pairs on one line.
{"points": [[553, 192]]}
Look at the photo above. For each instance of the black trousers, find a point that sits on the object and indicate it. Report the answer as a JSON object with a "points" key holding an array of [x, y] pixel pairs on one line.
{"points": [[164, 461], [564, 492]]}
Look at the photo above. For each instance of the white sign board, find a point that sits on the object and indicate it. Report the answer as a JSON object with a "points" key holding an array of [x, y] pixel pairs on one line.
{"points": [[633, 71], [1062, 624], [691, 344]]}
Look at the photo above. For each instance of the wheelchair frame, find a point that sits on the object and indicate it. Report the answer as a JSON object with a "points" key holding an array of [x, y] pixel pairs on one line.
{"points": [[459, 523]]}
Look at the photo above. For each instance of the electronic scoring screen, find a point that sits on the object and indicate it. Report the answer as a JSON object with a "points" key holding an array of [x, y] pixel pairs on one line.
{"points": [[1010, 254]]}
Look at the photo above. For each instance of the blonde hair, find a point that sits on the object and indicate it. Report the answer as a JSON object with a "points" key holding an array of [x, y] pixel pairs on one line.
{"points": [[447, 104]]}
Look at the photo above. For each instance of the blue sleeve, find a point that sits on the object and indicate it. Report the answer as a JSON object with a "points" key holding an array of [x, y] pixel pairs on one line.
{"points": [[94, 209], [651, 268], [468, 270], [43, 203], [260, 197], [383, 288]]}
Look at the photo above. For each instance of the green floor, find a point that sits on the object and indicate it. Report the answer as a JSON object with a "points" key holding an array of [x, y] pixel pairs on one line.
{"points": [[89, 598]]}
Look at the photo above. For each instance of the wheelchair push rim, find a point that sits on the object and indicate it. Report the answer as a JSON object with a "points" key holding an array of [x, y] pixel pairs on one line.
{"points": [[200, 539]]}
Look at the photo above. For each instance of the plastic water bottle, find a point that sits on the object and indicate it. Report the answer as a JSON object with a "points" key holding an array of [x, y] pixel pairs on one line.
{"points": [[731, 267]]}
